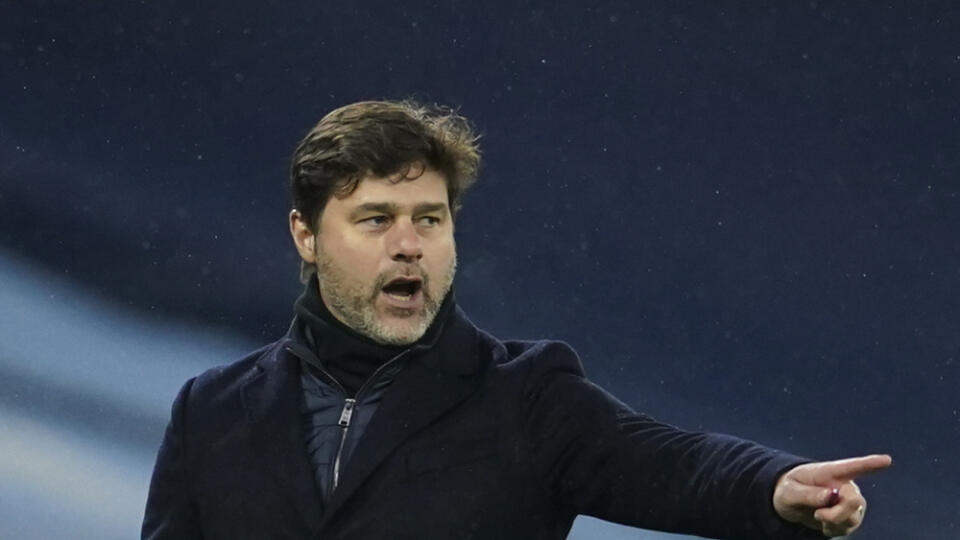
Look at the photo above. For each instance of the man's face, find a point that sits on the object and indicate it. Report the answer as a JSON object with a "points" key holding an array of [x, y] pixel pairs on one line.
{"points": [[386, 257]]}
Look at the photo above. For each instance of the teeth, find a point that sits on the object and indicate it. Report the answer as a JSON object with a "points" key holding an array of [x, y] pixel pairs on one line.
{"points": [[401, 297]]}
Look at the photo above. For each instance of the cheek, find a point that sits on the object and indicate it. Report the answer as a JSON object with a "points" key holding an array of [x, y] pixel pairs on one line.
{"points": [[359, 259], [444, 255]]}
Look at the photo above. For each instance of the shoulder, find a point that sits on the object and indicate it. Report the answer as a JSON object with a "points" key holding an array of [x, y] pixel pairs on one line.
{"points": [[226, 380], [531, 360]]}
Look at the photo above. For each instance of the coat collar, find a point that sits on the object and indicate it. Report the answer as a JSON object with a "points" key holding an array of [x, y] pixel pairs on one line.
{"points": [[271, 398], [435, 379], [430, 385]]}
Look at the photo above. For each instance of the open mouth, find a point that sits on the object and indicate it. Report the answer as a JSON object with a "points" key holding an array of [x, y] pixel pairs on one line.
{"points": [[403, 288]]}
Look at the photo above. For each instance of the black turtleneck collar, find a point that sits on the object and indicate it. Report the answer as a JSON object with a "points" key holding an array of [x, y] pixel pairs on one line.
{"points": [[351, 357]]}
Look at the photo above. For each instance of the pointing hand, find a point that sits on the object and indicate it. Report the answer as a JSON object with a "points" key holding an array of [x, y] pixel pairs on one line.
{"points": [[823, 495]]}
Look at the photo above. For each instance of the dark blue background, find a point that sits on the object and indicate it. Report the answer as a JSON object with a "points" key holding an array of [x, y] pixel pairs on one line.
{"points": [[744, 216]]}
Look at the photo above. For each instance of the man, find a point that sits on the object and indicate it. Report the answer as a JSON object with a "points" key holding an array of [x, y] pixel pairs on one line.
{"points": [[385, 413]]}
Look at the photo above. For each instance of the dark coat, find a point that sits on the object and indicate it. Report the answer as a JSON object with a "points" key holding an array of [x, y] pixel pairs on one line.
{"points": [[478, 438]]}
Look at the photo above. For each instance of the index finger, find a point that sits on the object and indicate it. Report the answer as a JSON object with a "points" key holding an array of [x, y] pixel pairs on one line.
{"points": [[848, 469]]}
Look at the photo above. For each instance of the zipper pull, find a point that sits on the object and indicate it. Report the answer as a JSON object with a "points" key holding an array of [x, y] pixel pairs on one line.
{"points": [[347, 412]]}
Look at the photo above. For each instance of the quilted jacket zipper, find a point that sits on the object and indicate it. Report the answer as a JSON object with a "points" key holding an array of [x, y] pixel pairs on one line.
{"points": [[349, 407], [345, 416]]}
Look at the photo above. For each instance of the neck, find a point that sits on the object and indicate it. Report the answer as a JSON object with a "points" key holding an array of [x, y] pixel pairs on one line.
{"points": [[348, 355]]}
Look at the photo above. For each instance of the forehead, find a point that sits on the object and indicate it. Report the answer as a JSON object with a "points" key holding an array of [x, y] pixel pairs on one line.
{"points": [[429, 187]]}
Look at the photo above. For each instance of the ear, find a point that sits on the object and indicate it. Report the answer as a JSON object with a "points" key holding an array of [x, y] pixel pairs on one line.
{"points": [[303, 237]]}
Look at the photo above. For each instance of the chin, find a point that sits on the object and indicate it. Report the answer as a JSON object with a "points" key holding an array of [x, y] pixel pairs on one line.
{"points": [[395, 340], [403, 334]]}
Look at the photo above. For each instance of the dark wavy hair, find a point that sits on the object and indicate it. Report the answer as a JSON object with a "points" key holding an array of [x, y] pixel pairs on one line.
{"points": [[393, 139]]}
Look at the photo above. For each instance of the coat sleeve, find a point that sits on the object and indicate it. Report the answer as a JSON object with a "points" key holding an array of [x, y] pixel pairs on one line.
{"points": [[602, 459], [171, 511]]}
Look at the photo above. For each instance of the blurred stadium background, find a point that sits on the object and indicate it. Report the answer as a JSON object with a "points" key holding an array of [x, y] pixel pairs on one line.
{"points": [[744, 218]]}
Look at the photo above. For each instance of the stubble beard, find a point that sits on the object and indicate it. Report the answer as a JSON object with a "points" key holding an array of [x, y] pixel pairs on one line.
{"points": [[355, 304]]}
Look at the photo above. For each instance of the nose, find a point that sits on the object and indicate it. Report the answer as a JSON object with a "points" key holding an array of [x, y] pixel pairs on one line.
{"points": [[404, 242]]}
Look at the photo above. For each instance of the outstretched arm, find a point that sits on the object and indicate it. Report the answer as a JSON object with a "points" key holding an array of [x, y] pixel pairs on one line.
{"points": [[602, 459]]}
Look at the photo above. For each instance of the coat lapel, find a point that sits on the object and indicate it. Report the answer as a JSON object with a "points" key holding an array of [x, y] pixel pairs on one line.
{"points": [[272, 401], [430, 385]]}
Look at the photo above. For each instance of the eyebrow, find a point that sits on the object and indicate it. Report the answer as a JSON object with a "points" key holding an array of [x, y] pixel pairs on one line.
{"points": [[370, 208], [429, 208], [392, 208]]}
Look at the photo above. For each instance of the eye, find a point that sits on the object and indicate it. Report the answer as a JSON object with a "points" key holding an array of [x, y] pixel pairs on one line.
{"points": [[374, 221], [429, 221]]}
